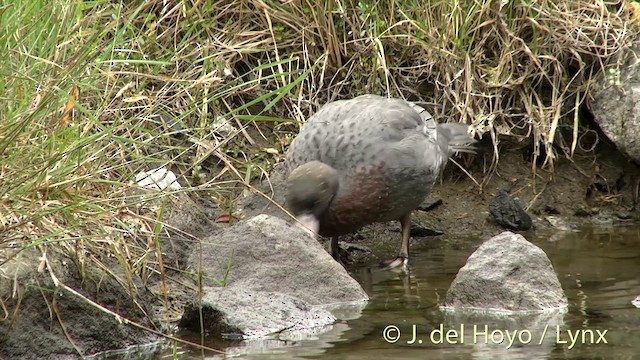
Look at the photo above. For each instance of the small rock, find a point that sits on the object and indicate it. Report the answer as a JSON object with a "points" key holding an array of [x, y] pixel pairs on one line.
{"points": [[170, 123], [417, 230], [158, 179], [223, 127], [429, 205], [582, 212], [508, 212], [352, 247], [559, 223], [623, 215], [507, 274]]}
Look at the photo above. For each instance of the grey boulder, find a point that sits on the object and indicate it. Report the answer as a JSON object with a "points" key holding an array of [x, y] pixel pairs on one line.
{"points": [[273, 271], [615, 101], [507, 274]]}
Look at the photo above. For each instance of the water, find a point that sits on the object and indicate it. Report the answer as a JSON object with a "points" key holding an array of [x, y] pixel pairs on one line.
{"points": [[599, 269]]}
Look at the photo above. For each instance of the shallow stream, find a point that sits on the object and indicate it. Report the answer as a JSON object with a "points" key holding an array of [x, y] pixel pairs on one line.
{"points": [[598, 267]]}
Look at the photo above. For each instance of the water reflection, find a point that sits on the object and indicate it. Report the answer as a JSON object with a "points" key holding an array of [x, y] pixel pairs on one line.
{"points": [[599, 269]]}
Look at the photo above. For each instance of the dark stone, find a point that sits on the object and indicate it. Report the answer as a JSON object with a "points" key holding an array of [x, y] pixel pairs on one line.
{"points": [[623, 215], [429, 205], [551, 210], [417, 230], [508, 213], [507, 274], [583, 212]]}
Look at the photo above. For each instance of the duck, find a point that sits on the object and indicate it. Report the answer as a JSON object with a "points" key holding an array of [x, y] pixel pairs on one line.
{"points": [[366, 160]]}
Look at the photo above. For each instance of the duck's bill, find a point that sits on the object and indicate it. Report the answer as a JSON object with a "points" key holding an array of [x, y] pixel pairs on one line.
{"points": [[310, 224]]}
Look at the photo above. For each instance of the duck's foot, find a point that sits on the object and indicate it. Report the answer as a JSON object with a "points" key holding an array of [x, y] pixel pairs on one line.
{"points": [[397, 262]]}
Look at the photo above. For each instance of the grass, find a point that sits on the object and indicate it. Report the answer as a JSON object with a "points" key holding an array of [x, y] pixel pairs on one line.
{"points": [[93, 92]]}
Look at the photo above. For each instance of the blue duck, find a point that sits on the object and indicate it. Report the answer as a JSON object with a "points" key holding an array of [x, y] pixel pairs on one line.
{"points": [[366, 160]]}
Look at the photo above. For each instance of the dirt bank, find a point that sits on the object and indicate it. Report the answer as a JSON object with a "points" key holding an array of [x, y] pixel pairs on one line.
{"points": [[592, 187]]}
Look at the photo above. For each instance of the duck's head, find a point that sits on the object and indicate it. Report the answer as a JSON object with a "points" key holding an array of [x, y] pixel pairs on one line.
{"points": [[310, 189]]}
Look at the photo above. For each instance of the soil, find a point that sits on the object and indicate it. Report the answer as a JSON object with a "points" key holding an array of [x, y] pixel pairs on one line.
{"points": [[599, 186], [47, 322]]}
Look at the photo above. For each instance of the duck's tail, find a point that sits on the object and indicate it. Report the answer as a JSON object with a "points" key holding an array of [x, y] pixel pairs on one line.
{"points": [[455, 138]]}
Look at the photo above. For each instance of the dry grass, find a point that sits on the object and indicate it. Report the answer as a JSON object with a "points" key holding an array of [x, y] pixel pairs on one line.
{"points": [[507, 68], [94, 92]]}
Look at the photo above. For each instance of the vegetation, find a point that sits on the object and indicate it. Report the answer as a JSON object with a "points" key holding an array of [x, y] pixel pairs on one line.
{"points": [[94, 92]]}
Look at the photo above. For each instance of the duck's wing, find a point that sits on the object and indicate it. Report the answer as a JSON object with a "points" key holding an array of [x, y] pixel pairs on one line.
{"points": [[371, 129]]}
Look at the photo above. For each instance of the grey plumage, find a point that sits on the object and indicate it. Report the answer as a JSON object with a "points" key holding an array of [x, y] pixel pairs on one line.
{"points": [[383, 155]]}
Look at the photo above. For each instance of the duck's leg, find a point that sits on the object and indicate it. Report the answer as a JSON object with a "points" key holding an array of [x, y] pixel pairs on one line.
{"points": [[335, 250], [403, 257], [405, 223]]}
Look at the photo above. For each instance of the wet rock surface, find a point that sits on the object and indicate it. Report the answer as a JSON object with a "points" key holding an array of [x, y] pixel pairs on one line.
{"points": [[507, 273], [509, 213]]}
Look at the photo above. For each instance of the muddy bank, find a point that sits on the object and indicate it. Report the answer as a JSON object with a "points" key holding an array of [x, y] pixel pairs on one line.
{"points": [[593, 187], [61, 318]]}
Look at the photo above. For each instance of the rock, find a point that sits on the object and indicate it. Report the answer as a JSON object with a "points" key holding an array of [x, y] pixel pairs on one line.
{"points": [[429, 205], [273, 260], [266, 253], [585, 212], [185, 220], [46, 321], [508, 213], [352, 247], [158, 179], [417, 230], [623, 215], [615, 101], [351, 253], [237, 313], [252, 203], [509, 274], [560, 223]]}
